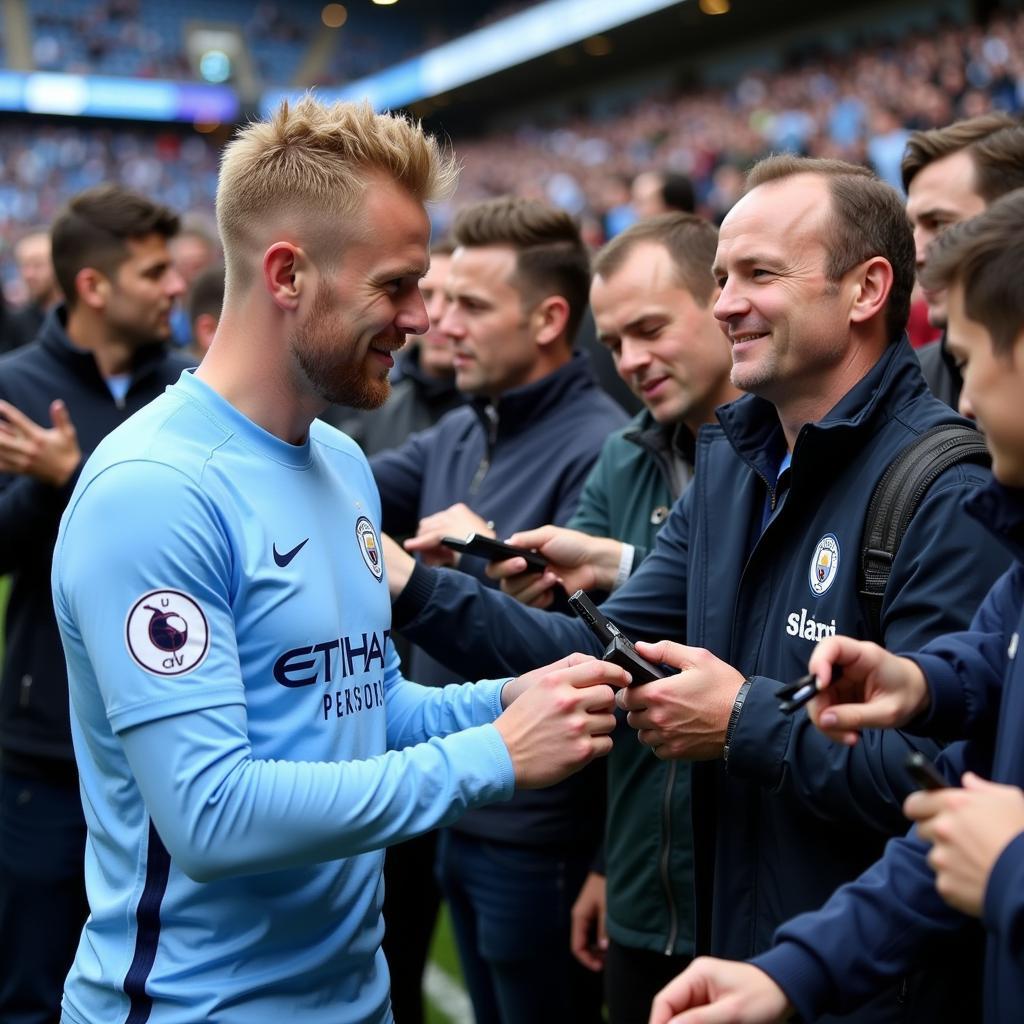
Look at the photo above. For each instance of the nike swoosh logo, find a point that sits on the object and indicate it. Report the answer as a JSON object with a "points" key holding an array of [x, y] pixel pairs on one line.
{"points": [[283, 560]]}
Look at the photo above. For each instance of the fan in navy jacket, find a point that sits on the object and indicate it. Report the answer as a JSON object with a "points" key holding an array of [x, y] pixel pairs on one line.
{"points": [[759, 560], [964, 860]]}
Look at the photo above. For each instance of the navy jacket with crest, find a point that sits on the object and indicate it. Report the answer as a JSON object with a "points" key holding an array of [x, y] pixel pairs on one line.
{"points": [[892, 915], [794, 815]]}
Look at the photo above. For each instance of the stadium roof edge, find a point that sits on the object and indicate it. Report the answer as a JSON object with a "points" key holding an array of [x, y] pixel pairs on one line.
{"points": [[506, 43], [140, 99]]}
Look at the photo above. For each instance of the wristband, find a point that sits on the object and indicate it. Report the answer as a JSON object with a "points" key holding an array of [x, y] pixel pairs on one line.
{"points": [[625, 566], [734, 718]]}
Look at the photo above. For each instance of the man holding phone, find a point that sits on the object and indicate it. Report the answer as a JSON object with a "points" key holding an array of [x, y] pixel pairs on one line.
{"points": [[965, 858], [759, 559], [516, 456]]}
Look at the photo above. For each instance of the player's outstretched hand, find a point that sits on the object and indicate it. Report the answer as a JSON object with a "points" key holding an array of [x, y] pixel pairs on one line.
{"points": [[559, 718], [877, 690], [720, 992]]}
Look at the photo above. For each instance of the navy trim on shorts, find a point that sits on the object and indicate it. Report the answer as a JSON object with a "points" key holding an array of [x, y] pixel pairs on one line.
{"points": [[147, 937]]}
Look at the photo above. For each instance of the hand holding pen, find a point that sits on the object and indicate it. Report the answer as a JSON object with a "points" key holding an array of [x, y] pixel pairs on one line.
{"points": [[858, 685]]}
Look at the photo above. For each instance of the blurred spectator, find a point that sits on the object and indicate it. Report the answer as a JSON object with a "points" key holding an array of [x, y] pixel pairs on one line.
{"points": [[619, 213], [843, 105], [856, 104], [98, 359], [194, 249], [885, 148], [204, 303], [951, 174], [657, 192], [35, 265]]}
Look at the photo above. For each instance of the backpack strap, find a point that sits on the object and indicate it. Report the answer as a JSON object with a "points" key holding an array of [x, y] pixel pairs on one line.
{"points": [[896, 498]]}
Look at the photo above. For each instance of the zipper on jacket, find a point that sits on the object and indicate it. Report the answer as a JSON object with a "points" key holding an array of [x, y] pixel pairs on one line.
{"points": [[25, 692], [492, 436], [666, 850]]}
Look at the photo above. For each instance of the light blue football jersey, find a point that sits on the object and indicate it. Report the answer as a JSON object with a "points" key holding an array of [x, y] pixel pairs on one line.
{"points": [[246, 743]]}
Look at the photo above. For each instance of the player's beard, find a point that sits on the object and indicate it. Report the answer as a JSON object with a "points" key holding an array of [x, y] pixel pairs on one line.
{"points": [[332, 363]]}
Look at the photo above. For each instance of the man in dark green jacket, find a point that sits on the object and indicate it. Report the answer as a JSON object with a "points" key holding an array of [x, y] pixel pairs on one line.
{"points": [[652, 298]]}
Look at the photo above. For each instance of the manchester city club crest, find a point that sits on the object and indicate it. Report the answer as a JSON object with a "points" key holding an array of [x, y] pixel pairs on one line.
{"points": [[824, 564], [369, 546]]}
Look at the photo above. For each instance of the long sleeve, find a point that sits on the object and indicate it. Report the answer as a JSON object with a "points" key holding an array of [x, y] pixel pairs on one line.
{"points": [[222, 812], [965, 671], [185, 714], [873, 930]]}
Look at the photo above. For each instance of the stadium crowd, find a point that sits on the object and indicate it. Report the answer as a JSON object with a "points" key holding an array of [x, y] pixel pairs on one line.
{"points": [[857, 106], [132, 39], [719, 817]]}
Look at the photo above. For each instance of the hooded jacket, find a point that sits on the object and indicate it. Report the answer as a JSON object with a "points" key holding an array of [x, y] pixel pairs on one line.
{"points": [[892, 917]]}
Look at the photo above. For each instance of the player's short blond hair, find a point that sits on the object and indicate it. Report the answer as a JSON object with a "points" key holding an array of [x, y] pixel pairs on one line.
{"points": [[309, 165]]}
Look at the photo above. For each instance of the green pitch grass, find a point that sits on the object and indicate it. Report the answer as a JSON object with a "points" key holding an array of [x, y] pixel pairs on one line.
{"points": [[443, 955]]}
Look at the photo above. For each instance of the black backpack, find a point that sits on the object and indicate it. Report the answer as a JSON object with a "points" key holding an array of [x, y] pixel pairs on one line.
{"points": [[896, 498]]}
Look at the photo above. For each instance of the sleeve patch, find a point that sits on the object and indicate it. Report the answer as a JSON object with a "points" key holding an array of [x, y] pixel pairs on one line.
{"points": [[167, 633]]}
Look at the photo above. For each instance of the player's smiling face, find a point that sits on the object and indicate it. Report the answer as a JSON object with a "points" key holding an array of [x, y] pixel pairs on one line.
{"points": [[368, 301]]}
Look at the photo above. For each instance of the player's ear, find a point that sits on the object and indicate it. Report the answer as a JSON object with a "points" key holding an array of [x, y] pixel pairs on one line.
{"points": [[283, 268]]}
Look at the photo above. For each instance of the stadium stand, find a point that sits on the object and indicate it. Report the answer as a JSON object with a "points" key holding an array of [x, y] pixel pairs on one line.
{"points": [[856, 105], [126, 37]]}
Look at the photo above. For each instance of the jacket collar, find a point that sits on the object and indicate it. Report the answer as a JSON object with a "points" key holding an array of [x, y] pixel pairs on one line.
{"points": [[53, 337], [752, 424], [518, 408], [1001, 510], [669, 440]]}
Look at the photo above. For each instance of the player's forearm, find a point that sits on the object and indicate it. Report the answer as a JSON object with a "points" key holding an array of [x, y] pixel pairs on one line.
{"points": [[416, 713], [221, 812]]}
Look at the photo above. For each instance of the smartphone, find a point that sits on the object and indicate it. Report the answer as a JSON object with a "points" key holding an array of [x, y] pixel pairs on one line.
{"points": [[924, 773], [494, 550], [619, 649]]}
